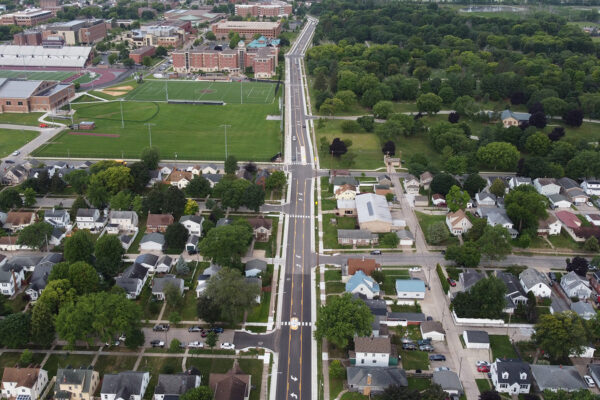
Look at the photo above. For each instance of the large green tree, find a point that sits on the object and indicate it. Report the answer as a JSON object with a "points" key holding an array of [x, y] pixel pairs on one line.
{"points": [[226, 244], [199, 393], [109, 255], [525, 207], [467, 254], [342, 318], [429, 102], [15, 330], [499, 155], [175, 236], [232, 294], [79, 247], [150, 157], [560, 334], [35, 235], [494, 243], [457, 199], [485, 299], [199, 186]]}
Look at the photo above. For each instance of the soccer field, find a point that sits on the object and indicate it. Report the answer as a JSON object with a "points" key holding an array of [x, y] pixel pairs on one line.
{"points": [[180, 131], [228, 92], [36, 75]]}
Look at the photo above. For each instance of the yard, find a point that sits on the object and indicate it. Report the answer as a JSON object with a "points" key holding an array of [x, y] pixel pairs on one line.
{"points": [[270, 246], [426, 220], [564, 241], [56, 361], [150, 307], [114, 364], [483, 385], [354, 396], [196, 134], [501, 347], [157, 366], [11, 359], [334, 287], [13, 139], [260, 313], [330, 229], [414, 359], [419, 383], [20, 119], [389, 284]]}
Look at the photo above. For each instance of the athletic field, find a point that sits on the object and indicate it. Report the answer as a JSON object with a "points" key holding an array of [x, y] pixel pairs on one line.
{"points": [[180, 131], [36, 75], [228, 92]]}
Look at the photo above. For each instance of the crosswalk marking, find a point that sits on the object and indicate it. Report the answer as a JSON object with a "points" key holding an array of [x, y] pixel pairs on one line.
{"points": [[299, 323], [299, 216]]}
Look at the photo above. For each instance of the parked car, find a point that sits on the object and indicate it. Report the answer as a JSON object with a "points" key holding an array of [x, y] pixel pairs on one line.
{"points": [[437, 357], [415, 269], [426, 347], [589, 381], [589, 204], [227, 346], [42, 125], [483, 368], [438, 369], [195, 328], [452, 282], [376, 252], [409, 346], [115, 343], [157, 343], [406, 339], [217, 329], [422, 342], [203, 334], [122, 338], [482, 362], [196, 345], [182, 345], [16, 153], [161, 328]]}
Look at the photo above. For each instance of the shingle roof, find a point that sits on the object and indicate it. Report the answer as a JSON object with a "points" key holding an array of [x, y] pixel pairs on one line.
{"points": [[175, 384], [256, 264], [124, 384], [380, 376], [372, 344], [153, 237], [86, 212], [54, 213], [135, 271], [25, 377], [563, 377], [19, 217], [159, 219], [372, 207], [448, 380], [478, 336], [194, 218], [410, 285], [519, 116], [470, 278], [531, 277], [582, 308], [432, 326], [567, 183], [149, 259], [360, 278], [355, 234], [515, 369], [160, 283]]}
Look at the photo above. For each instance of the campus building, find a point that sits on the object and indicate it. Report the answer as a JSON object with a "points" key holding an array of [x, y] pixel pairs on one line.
{"points": [[138, 54], [279, 9], [18, 96], [246, 29], [39, 56], [168, 33], [77, 31], [28, 17], [263, 61]]}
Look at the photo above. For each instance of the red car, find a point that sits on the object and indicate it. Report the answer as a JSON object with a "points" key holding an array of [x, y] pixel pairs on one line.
{"points": [[43, 125], [483, 368], [452, 282]]}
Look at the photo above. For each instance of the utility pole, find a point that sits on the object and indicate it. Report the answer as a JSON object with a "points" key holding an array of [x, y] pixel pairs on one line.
{"points": [[225, 126], [122, 120], [149, 125]]}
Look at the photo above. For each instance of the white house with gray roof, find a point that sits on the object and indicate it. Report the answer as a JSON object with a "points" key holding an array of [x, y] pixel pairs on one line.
{"points": [[160, 284], [575, 286], [57, 218], [511, 376], [449, 382], [546, 186], [372, 351], [375, 380], [90, 218], [476, 339], [373, 213], [536, 282], [170, 387], [152, 242], [517, 181], [584, 309], [485, 199], [255, 267], [155, 263], [559, 201], [127, 385], [193, 224], [357, 237], [557, 377], [125, 220], [132, 280]]}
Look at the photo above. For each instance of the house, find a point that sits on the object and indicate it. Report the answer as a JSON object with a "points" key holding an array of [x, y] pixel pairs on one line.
{"points": [[575, 286], [362, 284], [212, 270], [91, 219], [368, 380], [210, 169], [406, 237], [378, 307], [433, 330], [503, 179], [449, 382], [9, 243], [569, 222], [339, 180], [549, 227], [201, 284], [155, 177], [261, 178], [384, 180], [57, 218], [160, 284], [458, 222], [28, 263], [125, 220], [154, 263], [357, 237], [594, 371], [191, 245], [57, 236], [223, 222], [421, 201], [179, 179], [346, 207], [510, 118], [557, 377], [469, 277], [425, 179], [591, 187], [39, 277], [366, 265], [14, 175], [132, 280], [511, 376], [517, 181], [17, 220], [584, 309], [438, 200], [75, 384], [372, 351], [261, 228], [193, 224], [515, 294], [255, 267], [410, 289], [559, 201], [158, 222], [345, 192], [382, 190], [571, 190], [406, 318], [499, 217], [411, 184], [485, 199], [23, 383], [152, 242], [546, 186], [536, 282], [235, 384], [476, 339], [373, 213], [11, 279], [126, 385], [213, 179], [170, 387], [593, 219]]}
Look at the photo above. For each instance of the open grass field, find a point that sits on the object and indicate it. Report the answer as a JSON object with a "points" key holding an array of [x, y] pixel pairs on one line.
{"points": [[426, 220], [180, 131], [501, 347], [11, 139], [229, 92], [36, 75], [20, 119]]}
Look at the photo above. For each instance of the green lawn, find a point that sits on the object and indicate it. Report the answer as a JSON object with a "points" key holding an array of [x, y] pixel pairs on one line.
{"points": [[157, 366], [483, 385], [330, 230], [189, 311], [334, 287], [196, 133], [389, 284], [426, 220], [208, 365], [229, 92], [260, 313], [11, 359], [114, 364], [336, 385], [135, 246], [501, 347], [150, 309], [255, 369], [56, 361], [418, 383], [270, 246], [414, 359], [11, 140], [333, 275], [18, 303], [354, 396], [564, 241]]}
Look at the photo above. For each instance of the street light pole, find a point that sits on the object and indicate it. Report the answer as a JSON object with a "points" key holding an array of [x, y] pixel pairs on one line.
{"points": [[226, 126], [149, 125], [122, 120]]}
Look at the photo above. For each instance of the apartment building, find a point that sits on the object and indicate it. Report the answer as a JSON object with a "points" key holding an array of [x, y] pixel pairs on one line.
{"points": [[246, 29], [28, 17]]}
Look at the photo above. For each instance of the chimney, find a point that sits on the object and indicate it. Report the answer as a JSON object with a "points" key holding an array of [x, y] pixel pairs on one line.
{"points": [[370, 379]]}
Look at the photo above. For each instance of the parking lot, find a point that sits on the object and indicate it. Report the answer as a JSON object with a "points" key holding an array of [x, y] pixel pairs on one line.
{"points": [[183, 336]]}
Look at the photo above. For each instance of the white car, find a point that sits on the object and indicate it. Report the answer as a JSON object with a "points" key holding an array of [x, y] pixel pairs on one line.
{"points": [[590, 382], [227, 346], [438, 369], [196, 345], [415, 269], [589, 204], [481, 363], [16, 153], [122, 338]]}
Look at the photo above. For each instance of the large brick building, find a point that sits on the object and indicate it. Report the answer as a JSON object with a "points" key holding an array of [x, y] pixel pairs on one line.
{"points": [[138, 54], [263, 61], [29, 38], [166, 33], [27, 96], [263, 10], [246, 29], [77, 31], [29, 17]]}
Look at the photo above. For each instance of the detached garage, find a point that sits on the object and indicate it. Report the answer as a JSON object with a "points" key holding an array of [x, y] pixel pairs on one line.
{"points": [[476, 339], [433, 330]]}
